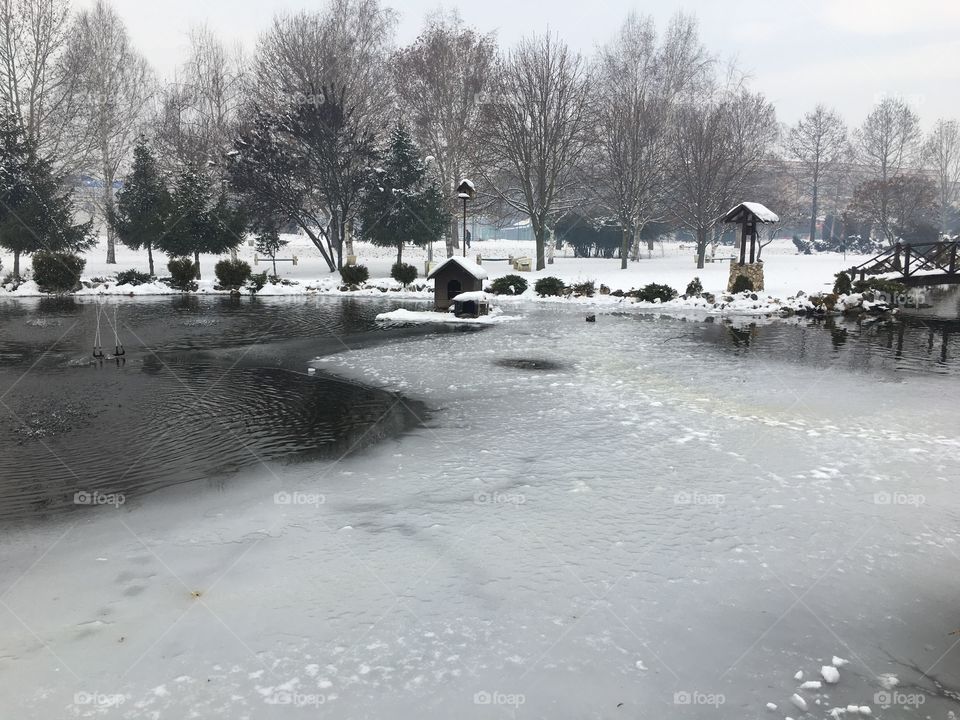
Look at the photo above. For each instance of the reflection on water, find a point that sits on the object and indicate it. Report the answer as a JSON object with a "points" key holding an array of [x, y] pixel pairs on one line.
{"points": [[208, 385], [922, 341]]}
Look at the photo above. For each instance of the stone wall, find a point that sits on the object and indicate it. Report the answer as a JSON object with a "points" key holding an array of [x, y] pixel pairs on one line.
{"points": [[754, 271]]}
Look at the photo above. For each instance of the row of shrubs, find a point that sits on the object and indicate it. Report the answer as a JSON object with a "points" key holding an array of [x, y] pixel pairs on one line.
{"points": [[60, 272]]}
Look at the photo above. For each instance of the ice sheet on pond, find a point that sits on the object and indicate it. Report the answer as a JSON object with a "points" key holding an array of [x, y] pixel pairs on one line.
{"points": [[653, 528]]}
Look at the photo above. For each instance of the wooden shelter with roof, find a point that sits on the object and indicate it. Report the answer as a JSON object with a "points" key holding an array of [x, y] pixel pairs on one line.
{"points": [[455, 276], [748, 216]]}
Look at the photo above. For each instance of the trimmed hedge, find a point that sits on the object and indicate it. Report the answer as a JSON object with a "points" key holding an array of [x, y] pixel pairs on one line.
{"points": [[653, 292], [549, 286], [509, 285], [232, 274], [403, 273], [694, 288], [133, 277], [57, 272], [354, 274], [182, 273]]}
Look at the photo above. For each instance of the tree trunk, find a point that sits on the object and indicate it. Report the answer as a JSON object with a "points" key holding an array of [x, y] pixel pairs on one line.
{"points": [[348, 233], [624, 248], [635, 245], [453, 237], [539, 232], [196, 260], [399, 253], [813, 215], [273, 259], [16, 264], [150, 259], [108, 202], [701, 247], [318, 244], [552, 245]]}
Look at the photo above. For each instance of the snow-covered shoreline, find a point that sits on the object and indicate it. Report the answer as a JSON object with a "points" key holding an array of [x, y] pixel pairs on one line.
{"points": [[787, 274]]}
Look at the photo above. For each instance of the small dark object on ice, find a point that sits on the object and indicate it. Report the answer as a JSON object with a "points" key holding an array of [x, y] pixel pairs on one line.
{"points": [[591, 318]]}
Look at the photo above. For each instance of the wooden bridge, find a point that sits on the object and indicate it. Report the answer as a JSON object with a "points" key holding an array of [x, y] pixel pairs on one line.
{"points": [[915, 264]]}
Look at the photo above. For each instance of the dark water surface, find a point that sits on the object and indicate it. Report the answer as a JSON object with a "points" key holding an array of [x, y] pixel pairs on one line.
{"points": [[921, 341], [208, 385]]}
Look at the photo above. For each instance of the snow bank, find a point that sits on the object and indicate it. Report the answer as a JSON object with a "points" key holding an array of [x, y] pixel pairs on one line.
{"points": [[402, 316]]}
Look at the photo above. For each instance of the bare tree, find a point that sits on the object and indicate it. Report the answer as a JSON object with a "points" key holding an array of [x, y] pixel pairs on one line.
{"points": [[117, 85], [817, 144], [346, 47], [40, 67], [942, 151], [716, 145], [199, 111], [639, 79], [535, 128], [887, 145], [343, 50], [441, 81]]}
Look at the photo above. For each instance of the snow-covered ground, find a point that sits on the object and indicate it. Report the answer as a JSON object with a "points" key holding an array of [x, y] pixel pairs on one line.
{"points": [[670, 263], [656, 528]]}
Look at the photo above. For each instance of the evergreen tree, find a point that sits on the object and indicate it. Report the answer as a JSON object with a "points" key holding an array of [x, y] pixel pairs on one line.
{"points": [[198, 223], [401, 203], [36, 213], [269, 243], [143, 205]]}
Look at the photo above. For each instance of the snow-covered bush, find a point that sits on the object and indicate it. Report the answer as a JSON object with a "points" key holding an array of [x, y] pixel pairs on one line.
{"points": [[509, 285], [232, 274], [654, 292], [256, 282], [132, 277], [842, 284], [182, 272], [549, 286], [694, 287], [354, 274], [57, 272], [742, 284], [587, 288], [403, 273]]}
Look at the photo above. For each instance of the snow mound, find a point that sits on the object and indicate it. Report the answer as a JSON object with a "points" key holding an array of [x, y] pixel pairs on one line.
{"points": [[406, 317]]}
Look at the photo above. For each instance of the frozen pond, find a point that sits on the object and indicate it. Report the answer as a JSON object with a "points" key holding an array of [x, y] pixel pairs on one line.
{"points": [[637, 518], [207, 387]]}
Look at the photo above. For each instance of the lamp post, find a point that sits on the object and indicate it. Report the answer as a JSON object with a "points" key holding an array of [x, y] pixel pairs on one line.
{"points": [[465, 191]]}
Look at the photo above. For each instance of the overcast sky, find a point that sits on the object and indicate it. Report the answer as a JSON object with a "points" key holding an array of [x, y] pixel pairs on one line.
{"points": [[845, 53]]}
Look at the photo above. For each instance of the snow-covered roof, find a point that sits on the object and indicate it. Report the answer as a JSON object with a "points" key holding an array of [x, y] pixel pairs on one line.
{"points": [[471, 267], [475, 296], [763, 213]]}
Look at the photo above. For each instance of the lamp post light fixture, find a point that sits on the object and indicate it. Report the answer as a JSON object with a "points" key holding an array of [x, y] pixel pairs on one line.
{"points": [[465, 191]]}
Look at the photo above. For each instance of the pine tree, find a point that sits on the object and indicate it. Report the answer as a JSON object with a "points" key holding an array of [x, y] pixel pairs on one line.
{"points": [[401, 203], [36, 213], [143, 205], [197, 223]]}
